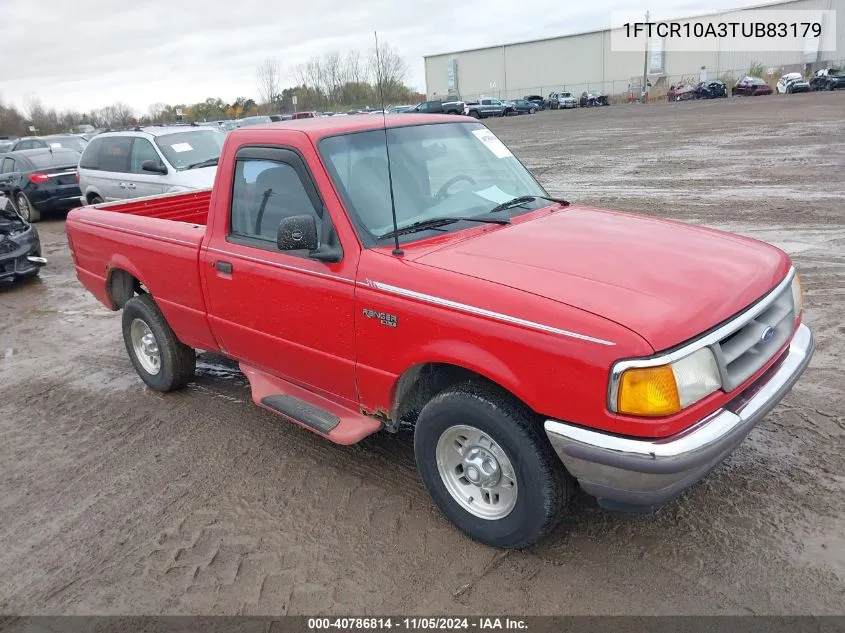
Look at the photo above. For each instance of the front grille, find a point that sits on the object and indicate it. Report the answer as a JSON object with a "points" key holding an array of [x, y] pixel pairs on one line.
{"points": [[743, 352]]}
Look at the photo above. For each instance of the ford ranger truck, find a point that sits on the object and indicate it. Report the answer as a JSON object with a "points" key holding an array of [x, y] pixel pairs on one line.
{"points": [[368, 273]]}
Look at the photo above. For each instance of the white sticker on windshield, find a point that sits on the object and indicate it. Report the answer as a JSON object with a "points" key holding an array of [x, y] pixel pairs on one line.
{"points": [[181, 147], [492, 143], [494, 194]]}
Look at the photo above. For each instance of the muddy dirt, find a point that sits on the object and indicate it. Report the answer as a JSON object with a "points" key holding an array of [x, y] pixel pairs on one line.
{"points": [[116, 499]]}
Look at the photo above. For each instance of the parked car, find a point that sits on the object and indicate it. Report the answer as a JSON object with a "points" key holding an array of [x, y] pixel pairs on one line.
{"points": [[828, 79], [791, 83], [484, 108], [440, 107], [590, 99], [530, 343], [399, 109], [20, 246], [520, 106], [713, 89], [562, 101], [683, 92], [255, 120], [538, 100], [147, 161], [68, 141], [751, 87], [304, 114], [6, 145], [40, 180]]}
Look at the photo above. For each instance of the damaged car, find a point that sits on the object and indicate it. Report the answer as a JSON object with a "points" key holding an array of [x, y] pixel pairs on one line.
{"points": [[20, 247]]}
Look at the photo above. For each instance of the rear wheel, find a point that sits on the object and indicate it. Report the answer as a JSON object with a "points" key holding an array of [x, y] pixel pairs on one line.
{"points": [[95, 199], [474, 114], [161, 360], [25, 208], [489, 467]]}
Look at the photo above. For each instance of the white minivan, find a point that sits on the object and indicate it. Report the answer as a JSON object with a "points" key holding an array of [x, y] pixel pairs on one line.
{"points": [[148, 161]]}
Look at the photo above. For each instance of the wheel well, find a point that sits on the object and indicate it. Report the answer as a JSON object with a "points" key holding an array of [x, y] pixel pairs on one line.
{"points": [[90, 195], [121, 286], [421, 383]]}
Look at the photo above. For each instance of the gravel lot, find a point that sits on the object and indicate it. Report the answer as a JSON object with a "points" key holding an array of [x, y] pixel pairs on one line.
{"points": [[116, 499]]}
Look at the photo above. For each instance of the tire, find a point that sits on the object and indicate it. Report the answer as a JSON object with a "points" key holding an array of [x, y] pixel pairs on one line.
{"points": [[532, 111], [176, 361], [474, 114], [95, 199], [542, 486], [25, 208]]}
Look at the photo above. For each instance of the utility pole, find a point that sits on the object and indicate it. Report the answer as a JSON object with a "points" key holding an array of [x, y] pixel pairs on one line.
{"points": [[645, 64]]}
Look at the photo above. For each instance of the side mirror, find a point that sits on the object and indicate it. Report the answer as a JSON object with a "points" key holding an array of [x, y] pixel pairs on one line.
{"points": [[297, 232], [153, 166]]}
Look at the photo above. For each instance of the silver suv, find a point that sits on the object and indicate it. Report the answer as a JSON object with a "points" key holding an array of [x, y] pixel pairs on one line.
{"points": [[148, 161]]}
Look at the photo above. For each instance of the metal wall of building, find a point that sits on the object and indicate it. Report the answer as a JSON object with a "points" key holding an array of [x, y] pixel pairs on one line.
{"points": [[586, 62]]}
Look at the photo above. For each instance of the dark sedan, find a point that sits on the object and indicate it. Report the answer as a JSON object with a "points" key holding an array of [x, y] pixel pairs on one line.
{"points": [[68, 141], [20, 248], [711, 89], [751, 87], [40, 180], [520, 106]]}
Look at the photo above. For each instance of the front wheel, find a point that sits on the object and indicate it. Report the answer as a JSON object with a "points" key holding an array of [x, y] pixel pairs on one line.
{"points": [[532, 111], [489, 467], [161, 360], [25, 208]]}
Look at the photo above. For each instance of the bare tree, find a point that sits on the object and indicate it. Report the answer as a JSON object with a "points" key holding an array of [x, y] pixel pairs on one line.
{"points": [[389, 69], [267, 80]]}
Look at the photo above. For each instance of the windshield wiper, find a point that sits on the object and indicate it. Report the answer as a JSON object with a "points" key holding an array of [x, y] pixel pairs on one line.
{"points": [[204, 163], [434, 223], [522, 200]]}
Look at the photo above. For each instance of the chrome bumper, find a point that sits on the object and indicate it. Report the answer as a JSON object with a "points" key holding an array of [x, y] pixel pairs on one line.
{"points": [[627, 473]]}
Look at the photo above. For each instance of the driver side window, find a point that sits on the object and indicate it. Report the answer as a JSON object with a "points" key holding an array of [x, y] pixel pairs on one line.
{"points": [[264, 193]]}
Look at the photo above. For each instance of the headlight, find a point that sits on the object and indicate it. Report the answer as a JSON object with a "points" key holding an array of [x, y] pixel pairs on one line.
{"points": [[797, 294], [666, 389]]}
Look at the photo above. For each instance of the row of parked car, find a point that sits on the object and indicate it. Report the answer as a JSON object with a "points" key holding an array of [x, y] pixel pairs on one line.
{"points": [[39, 176], [790, 83]]}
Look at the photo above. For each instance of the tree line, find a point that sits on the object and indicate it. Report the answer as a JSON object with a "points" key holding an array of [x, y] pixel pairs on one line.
{"points": [[332, 82]]}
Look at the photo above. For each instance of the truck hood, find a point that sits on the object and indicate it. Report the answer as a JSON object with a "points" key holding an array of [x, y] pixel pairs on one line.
{"points": [[666, 281], [201, 178]]}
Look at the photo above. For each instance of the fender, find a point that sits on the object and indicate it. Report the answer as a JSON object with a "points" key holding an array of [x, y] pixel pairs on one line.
{"points": [[468, 355]]}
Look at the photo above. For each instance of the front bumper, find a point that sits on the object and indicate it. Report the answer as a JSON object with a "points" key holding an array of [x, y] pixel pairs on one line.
{"points": [[640, 473], [24, 258]]}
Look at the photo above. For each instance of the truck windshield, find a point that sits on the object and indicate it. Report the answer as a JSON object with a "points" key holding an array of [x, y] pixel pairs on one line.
{"points": [[438, 171], [192, 147]]}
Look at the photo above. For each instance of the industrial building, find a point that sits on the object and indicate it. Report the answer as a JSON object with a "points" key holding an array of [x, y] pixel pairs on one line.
{"points": [[588, 61]]}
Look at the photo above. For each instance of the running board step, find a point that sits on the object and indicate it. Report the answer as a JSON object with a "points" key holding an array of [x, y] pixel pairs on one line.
{"points": [[339, 422], [318, 419]]}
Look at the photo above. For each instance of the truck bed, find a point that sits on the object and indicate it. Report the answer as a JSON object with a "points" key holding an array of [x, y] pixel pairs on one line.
{"points": [[156, 240], [191, 207]]}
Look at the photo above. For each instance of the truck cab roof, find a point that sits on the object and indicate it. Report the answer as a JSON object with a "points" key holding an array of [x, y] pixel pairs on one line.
{"points": [[320, 127]]}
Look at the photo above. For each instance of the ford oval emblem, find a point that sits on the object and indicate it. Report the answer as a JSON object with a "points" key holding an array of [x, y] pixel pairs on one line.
{"points": [[768, 334], [297, 235]]}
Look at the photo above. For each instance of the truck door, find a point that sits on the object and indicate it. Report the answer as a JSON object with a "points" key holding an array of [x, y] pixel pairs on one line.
{"points": [[279, 311]]}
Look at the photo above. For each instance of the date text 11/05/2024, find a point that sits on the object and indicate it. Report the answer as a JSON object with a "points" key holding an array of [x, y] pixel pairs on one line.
{"points": [[417, 623]]}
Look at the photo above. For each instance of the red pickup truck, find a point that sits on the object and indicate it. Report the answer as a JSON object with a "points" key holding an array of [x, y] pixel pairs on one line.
{"points": [[371, 273]]}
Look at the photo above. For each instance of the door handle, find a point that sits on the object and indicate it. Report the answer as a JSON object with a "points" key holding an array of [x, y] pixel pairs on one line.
{"points": [[224, 267], [131, 185], [122, 185]]}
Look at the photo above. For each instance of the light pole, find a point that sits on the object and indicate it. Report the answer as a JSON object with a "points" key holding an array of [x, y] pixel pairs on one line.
{"points": [[645, 64]]}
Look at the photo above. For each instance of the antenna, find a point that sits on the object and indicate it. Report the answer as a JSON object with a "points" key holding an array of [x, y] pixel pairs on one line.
{"points": [[396, 250]]}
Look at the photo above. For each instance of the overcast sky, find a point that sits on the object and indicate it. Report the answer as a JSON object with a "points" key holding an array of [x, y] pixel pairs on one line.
{"points": [[84, 54]]}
